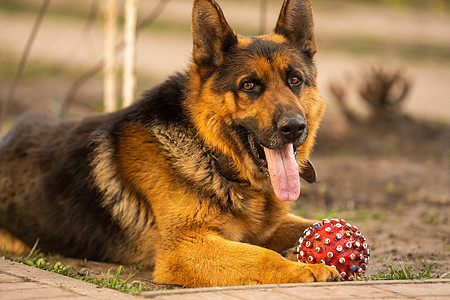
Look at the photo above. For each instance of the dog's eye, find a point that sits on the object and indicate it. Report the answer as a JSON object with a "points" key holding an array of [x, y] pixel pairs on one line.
{"points": [[295, 80], [248, 85]]}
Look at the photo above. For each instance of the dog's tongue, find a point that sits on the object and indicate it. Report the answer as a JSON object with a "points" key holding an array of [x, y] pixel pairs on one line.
{"points": [[283, 170]]}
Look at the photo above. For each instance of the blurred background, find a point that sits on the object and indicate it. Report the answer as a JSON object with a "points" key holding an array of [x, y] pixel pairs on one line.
{"points": [[383, 153], [410, 35]]}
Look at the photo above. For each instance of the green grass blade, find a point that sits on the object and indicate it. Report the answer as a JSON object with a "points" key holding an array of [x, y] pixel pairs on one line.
{"points": [[33, 250], [115, 279]]}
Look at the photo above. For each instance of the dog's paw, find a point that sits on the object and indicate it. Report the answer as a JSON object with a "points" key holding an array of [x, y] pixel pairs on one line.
{"points": [[318, 272]]}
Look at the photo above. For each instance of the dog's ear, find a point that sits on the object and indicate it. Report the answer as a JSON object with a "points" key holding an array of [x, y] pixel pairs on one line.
{"points": [[297, 25], [211, 34], [308, 172]]}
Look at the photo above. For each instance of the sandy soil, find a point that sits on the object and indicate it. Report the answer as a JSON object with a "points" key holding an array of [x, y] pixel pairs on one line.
{"points": [[389, 178]]}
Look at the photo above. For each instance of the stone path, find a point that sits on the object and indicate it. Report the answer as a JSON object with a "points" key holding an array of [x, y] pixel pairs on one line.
{"points": [[18, 281]]}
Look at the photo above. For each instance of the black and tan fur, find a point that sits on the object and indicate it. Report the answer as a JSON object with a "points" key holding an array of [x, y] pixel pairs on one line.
{"points": [[175, 181]]}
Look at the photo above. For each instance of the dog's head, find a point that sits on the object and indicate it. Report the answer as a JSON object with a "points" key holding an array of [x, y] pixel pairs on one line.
{"points": [[255, 99]]}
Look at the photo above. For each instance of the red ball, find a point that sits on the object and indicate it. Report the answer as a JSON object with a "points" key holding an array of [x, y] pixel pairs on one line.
{"points": [[335, 243]]}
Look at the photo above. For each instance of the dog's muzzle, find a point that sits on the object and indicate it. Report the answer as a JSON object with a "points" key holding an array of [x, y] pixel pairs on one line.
{"points": [[292, 128]]}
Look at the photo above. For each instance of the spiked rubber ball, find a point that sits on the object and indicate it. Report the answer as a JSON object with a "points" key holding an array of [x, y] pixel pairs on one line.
{"points": [[335, 243]]}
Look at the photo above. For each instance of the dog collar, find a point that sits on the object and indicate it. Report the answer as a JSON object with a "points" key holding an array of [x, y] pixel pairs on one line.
{"points": [[225, 167]]}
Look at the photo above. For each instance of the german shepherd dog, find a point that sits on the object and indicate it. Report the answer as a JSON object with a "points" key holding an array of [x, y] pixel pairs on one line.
{"points": [[195, 179]]}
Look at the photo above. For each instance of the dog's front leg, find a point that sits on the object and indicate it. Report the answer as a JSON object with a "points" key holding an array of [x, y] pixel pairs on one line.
{"points": [[206, 259], [287, 233]]}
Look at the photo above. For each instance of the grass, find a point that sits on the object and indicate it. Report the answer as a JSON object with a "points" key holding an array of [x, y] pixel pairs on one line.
{"points": [[440, 6], [36, 69], [113, 282], [415, 52], [404, 272], [62, 10]]}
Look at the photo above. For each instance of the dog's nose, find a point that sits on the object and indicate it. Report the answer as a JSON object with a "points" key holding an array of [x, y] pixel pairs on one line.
{"points": [[291, 126]]}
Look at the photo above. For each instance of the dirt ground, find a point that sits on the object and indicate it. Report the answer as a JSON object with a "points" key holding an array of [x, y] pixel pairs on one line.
{"points": [[388, 176], [392, 181]]}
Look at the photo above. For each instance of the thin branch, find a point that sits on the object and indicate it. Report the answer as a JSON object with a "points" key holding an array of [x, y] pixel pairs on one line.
{"points": [[23, 60]]}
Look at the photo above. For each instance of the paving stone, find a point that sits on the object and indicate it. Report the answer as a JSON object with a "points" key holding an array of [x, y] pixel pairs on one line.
{"points": [[19, 286], [270, 294], [345, 290], [419, 290], [37, 293], [197, 296], [19, 281], [338, 292], [68, 298], [5, 278], [70, 287]]}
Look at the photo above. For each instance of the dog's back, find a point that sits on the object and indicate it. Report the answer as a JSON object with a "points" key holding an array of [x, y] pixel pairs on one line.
{"points": [[21, 151], [41, 157]]}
